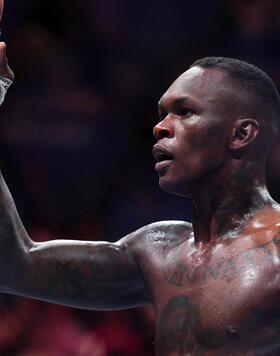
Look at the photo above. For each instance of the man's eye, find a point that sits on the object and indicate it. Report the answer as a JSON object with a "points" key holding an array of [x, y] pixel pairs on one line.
{"points": [[186, 112]]}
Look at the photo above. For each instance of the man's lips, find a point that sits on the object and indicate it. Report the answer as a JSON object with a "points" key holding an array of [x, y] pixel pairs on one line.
{"points": [[162, 156]]}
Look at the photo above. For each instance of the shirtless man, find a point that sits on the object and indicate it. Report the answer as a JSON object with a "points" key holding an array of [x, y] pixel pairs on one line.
{"points": [[214, 285]]}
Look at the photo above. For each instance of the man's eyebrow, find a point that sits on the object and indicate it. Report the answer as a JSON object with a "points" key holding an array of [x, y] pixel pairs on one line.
{"points": [[177, 101], [183, 100]]}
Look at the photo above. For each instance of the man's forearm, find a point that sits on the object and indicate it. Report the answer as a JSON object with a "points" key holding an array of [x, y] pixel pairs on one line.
{"points": [[14, 240]]}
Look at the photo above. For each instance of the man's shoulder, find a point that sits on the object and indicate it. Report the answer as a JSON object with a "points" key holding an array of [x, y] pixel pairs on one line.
{"points": [[161, 233], [158, 229]]}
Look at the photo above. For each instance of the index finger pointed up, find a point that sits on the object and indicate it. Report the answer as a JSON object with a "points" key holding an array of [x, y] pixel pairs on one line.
{"points": [[1, 8]]}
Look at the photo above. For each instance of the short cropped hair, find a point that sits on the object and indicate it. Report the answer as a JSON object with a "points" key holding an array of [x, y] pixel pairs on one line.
{"points": [[249, 77]]}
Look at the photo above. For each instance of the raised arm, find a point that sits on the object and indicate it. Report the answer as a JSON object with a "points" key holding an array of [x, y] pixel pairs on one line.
{"points": [[94, 275]]}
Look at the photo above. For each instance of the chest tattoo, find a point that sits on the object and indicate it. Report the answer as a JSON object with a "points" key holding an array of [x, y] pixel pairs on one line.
{"points": [[180, 329], [182, 275]]}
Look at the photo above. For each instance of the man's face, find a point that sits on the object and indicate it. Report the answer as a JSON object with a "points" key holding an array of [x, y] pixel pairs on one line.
{"points": [[193, 132]]}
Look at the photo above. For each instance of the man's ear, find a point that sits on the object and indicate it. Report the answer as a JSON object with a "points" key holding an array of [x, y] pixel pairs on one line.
{"points": [[243, 133]]}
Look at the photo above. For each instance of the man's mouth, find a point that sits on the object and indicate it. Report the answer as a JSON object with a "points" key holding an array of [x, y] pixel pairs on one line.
{"points": [[162, 156]]}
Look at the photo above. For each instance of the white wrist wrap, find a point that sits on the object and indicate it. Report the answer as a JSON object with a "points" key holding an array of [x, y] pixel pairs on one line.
{"points": [[5, 83]]}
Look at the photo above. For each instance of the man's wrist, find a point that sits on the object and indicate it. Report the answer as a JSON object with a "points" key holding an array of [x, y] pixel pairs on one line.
{"points": [[5, 83]]}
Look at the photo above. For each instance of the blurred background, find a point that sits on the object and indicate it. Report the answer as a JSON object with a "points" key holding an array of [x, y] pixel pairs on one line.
{"points": [[76, 136]]}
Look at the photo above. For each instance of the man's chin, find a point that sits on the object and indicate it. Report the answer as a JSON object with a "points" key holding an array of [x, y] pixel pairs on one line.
{"points": [[176, 188]]}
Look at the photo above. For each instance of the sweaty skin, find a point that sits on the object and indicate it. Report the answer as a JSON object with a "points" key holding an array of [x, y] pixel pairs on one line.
{"points": [[215, 284]]}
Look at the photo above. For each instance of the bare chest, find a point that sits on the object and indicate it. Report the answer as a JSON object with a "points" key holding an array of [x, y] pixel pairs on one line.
{"points": [[224, 301]]}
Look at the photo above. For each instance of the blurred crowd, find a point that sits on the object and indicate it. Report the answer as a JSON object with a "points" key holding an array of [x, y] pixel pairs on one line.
{"points": [[76, 136]]}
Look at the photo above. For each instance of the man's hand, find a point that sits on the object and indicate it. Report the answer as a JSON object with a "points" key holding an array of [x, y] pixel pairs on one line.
{"points": [[1, 8], [6, 74], [5, 70]]}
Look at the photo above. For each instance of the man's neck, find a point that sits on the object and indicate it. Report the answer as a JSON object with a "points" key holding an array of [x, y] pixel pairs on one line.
{"points": [[222, 212]]}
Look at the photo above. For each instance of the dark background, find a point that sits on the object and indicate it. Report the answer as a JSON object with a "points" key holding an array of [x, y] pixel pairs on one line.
{"points": [[76, 136]]}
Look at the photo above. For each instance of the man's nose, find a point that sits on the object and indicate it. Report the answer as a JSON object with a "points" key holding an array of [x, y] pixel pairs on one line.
{"points": [[163, 129]]}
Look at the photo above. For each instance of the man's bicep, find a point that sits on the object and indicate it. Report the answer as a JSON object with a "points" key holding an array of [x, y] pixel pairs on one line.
{"points": [[91, 275]]}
